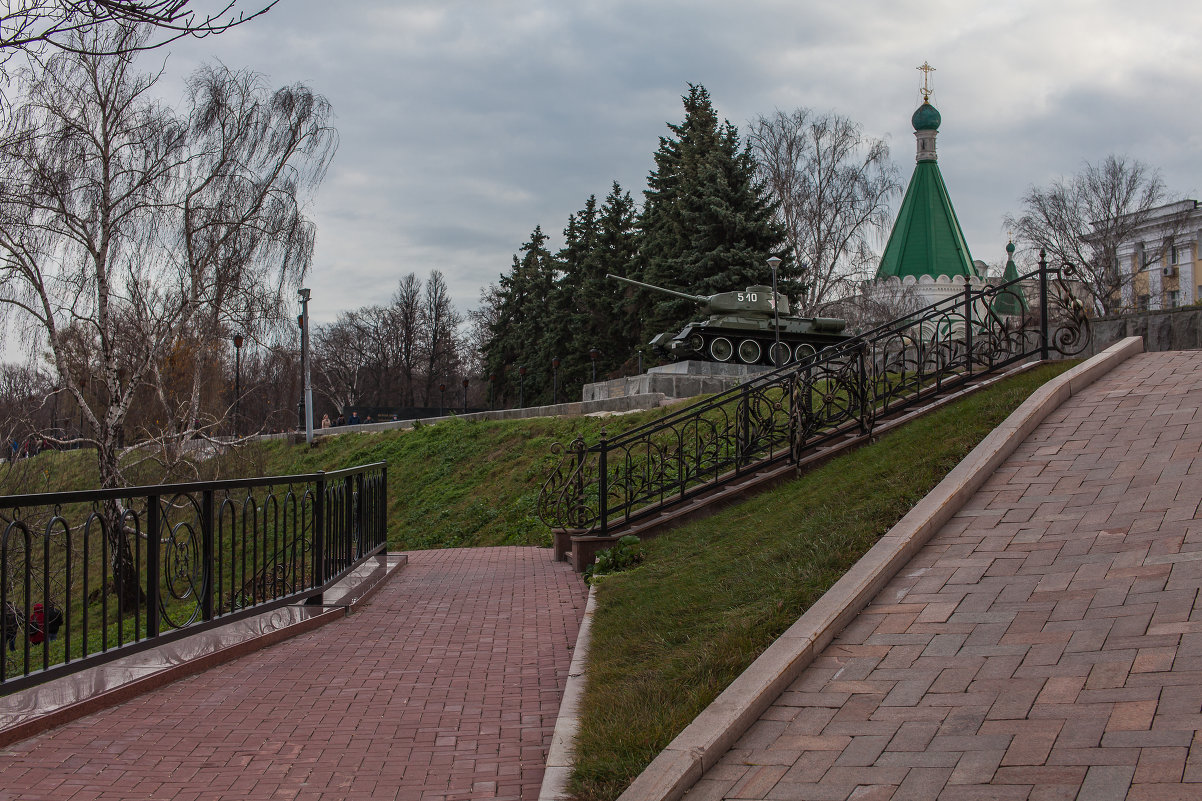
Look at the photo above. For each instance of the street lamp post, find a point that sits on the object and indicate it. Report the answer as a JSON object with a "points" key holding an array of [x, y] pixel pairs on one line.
{"points": [[593, 353], [492, 383], [465, 396], [304, 299], [555, 380], [442, 399], [522, 387], [774, 262], [237, 381]]}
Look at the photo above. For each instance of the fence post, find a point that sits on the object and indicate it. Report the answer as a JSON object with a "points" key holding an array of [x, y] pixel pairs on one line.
{"points": [[789, 391], [968, 322], [1043, 305], [319, 535], [580, 505], [346, 541], [382, 508], [862, 380], [152, 565], [603, 483], [743, 442], [206, 554]]}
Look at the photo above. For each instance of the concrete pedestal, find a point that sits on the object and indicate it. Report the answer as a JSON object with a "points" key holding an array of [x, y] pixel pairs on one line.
{"points": [[685, 379]]}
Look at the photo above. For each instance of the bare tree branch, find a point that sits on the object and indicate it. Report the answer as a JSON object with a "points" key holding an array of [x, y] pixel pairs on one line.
{"points": [[31, 25], [833, 186], [1085, 218]]}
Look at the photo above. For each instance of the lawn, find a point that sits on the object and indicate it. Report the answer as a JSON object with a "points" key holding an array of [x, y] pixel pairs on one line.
{"points": [[671, 634]]}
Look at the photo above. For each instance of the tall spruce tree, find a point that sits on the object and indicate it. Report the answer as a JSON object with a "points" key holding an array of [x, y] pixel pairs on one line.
{"points": [[612, 325], [567, 310], [707, 223], [516, 327]]}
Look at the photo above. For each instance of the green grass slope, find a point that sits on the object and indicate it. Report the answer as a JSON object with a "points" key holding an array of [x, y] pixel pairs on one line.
{"points": [[671, 634], [455, 483]]}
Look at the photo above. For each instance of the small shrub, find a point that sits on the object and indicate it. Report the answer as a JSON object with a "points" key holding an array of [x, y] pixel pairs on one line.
{"points": [[625, 553]]}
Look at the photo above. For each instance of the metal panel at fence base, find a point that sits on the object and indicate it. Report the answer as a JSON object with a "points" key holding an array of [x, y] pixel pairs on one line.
{"points": [[817, 399], [88, 576]]}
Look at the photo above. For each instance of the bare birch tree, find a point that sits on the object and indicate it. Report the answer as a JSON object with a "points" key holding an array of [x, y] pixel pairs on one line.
{"points": [[1084, 219], [439, 323], [133, 241], [833, 186]]}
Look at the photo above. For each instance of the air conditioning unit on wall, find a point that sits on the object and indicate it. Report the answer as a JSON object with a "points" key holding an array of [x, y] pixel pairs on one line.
{"points": [[1168, 272]]}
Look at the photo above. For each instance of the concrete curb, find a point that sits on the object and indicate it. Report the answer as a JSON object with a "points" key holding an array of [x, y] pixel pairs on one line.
{"points": [[561, 755], [723, 722]]}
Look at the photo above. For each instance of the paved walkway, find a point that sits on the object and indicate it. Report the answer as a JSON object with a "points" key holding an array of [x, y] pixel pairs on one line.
{"points": [[1046, 643], [445, 686]]}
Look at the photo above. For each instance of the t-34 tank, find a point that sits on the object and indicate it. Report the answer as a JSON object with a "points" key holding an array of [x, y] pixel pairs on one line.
{"points": [[742, 328]]}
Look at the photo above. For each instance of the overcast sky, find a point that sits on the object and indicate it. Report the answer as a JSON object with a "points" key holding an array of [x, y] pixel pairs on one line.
{"points": [[464, 123]]}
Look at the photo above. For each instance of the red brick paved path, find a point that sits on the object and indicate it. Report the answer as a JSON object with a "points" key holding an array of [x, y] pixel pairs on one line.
{"points": [[445, 686], [1046, 644]]}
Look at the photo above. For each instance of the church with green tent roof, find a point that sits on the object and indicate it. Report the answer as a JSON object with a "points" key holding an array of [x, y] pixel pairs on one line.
{"points": [[926, 253]]}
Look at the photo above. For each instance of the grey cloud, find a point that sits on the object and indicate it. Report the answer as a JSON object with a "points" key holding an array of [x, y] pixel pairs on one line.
{"points": [[465, 124]]}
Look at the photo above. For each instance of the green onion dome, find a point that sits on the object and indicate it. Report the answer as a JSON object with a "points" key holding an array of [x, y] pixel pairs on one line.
{"points": [[926, 118]]}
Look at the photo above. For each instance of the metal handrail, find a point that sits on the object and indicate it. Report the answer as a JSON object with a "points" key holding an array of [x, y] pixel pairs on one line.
{"points": [[88, 576], [777, 415]]}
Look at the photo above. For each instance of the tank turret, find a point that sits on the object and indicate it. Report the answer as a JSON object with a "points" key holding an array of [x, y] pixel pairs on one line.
{"points": [[753, 327]]}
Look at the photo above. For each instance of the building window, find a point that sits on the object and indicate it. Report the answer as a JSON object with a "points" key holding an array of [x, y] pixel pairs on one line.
{"points": [[1181, 254], [1174, 300], [1142, 303]]}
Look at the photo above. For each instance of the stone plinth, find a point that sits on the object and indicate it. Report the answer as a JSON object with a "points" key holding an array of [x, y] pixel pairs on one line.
{"points": [[685, 379]]}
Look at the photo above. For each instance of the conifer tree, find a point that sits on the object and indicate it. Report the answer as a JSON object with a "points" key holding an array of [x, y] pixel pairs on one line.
{"points": [[707, 223], [567, 308], [517, 321], [613, 326]]}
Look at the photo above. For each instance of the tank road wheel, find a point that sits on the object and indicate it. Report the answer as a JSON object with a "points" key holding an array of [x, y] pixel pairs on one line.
{"points": [[778, 354], [721, 349], [696, 343], [749, 351], [803, 351]]}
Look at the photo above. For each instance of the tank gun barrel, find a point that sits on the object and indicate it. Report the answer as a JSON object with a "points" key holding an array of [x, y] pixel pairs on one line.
{"points": [[685, 295]]}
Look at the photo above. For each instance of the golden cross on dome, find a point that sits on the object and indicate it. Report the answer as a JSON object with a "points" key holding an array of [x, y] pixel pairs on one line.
{"points": [[927, 69]]}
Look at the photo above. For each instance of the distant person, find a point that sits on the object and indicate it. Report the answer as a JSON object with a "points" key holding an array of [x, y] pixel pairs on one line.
{"points": [[325, 421], [341, 420], [368, 421], [44, 623], [354, 419]]}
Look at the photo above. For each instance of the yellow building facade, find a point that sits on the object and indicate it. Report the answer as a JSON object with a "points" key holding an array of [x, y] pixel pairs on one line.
{"points": [[1162, 259]]}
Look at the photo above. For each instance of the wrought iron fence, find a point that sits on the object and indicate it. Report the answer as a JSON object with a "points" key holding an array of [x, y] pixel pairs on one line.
{"points": [[88, 576], [841, 390]]}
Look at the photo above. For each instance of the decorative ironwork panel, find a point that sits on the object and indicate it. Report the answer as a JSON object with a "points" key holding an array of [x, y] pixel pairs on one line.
{"points": [[85, 576], [837, 392]]}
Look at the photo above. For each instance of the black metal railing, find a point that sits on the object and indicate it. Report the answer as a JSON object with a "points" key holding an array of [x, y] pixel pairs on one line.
{"points": [[88, 576], [597, 488]]}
